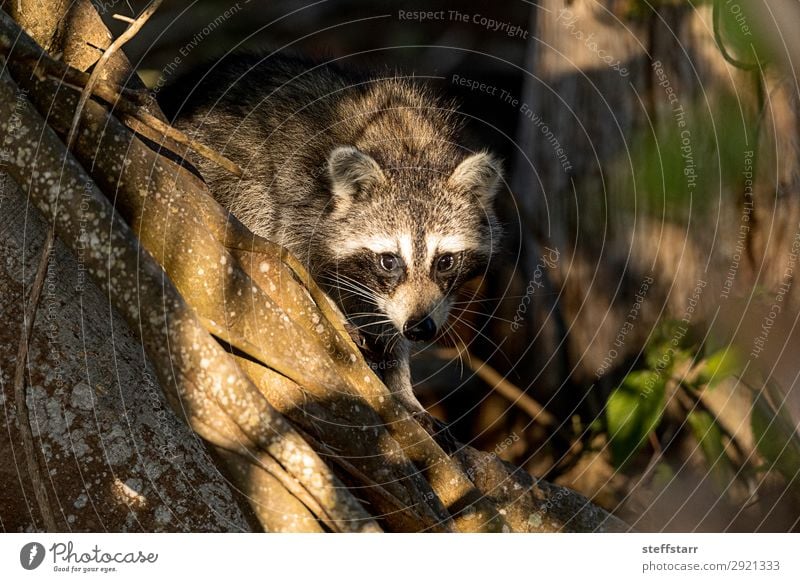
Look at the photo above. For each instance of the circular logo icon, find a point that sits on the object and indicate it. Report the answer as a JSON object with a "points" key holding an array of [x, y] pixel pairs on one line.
{"points": [[31, 555]]}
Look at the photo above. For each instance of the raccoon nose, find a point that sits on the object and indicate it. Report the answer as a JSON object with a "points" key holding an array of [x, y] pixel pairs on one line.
{"points": [[418, 330]]}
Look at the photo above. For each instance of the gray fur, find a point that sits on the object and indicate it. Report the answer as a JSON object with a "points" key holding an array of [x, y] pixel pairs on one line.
{"points": [[341, 169]]}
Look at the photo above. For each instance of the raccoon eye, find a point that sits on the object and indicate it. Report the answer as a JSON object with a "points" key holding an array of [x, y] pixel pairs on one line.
{"points": [[389, 262], [445, 263]]}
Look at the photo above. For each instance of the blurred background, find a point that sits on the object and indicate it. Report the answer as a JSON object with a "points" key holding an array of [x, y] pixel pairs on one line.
{"points": [[635, 339]]}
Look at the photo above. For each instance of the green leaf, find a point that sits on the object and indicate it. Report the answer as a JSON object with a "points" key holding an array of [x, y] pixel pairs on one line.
{"points": [[776, 438], [659, 359], [720, 365], [633, 411], [708, 434], [666, 347]]}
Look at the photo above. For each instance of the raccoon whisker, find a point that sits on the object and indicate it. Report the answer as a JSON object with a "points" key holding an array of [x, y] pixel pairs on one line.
{"points": [[363, 314], [453, 336], [355, 285], [345, 295], [388, 322], [349, 293], [461, 353], [487, 338], [393, 341], [372, 323], [352, 287], [341, 287], [492, 343], [336, 282], [343, 281], [474, 294], [506, 297], [465, 310], [488, 299], [342, 277], [484, 314]]}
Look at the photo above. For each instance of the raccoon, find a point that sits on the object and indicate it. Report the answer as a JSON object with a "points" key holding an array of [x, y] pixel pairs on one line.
{"points": [[364, 177]]}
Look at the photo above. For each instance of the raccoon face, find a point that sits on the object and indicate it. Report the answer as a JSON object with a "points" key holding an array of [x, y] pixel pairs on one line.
{"points": [[403, 240]]}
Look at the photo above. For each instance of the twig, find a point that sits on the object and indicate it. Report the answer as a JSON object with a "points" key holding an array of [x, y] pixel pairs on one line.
{"points": [[129, 33], [123, 18], [702, 400], [42, 65], [503, 387], [658, 454], [23, 418], [134, 118]]}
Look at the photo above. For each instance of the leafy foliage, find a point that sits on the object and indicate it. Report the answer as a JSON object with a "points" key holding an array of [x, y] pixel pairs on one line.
{"points": [[671, 358], [633, 412], [709, 436], [720, 365], [776, 437]]}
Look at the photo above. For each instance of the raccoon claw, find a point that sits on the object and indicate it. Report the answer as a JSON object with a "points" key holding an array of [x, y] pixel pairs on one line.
{"points": [[438, 430]]}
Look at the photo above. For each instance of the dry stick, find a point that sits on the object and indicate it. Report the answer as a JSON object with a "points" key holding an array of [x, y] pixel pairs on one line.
{"points": [[123, 18], [129, 33], [133, 117], [39, 488], [699, 400], [503, 386]]}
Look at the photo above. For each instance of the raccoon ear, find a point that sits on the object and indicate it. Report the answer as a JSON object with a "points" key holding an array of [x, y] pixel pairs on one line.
{"points": [[479, 174], [351, 171]]}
